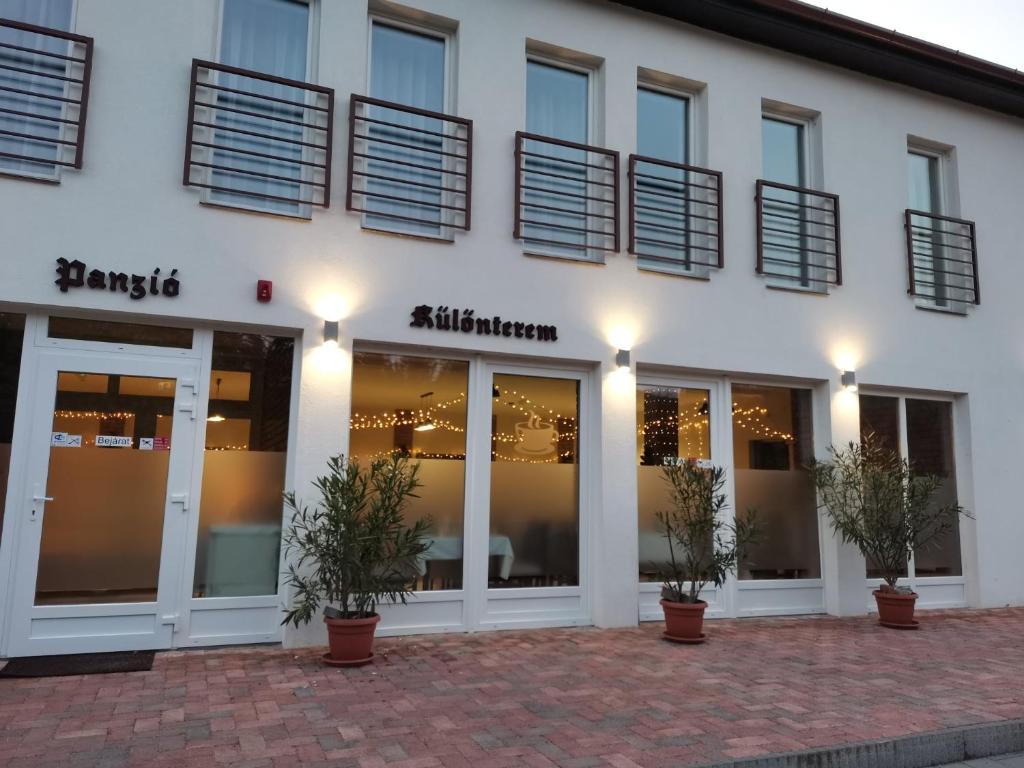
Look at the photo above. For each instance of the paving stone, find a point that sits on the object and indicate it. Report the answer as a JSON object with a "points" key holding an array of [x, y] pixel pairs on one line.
{"points": [[759, 689]]}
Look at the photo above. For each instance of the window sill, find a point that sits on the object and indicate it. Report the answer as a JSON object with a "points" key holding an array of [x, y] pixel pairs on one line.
{"points": [[254, 210], [540, 254], [928, 307], [53, 179], [685, 273], [797, 289], [444, 239]]}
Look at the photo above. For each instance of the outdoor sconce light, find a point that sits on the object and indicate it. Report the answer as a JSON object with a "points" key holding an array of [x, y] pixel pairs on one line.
{"points": [[622, 359], [849, 381], [331, 332]]}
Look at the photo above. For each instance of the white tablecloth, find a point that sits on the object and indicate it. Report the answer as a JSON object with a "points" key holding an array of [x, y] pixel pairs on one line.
{"points": [[450, 548]]}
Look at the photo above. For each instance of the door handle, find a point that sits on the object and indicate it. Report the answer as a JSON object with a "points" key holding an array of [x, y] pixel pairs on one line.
{"points": [[180, 498], [42, 498]]}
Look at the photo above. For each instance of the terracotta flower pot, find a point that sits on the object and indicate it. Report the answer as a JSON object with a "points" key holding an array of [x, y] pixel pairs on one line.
{"points": [[350, 640], [896, 610], [684, 622]]}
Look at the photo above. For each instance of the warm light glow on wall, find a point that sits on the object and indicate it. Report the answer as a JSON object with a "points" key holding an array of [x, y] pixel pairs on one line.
{"points": [[332, 307], [328, 359], [621, 336], [845, 356]]}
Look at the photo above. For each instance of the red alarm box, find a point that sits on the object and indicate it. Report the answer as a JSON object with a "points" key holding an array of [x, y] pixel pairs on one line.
{"points": [[264, 290]]}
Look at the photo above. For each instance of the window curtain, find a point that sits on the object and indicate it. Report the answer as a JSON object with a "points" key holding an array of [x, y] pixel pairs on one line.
{"points": [[406, 68], [29, 102], [269, 37], [556, 177]]}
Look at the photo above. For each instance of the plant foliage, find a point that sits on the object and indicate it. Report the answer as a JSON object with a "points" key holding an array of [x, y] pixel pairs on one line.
{"points": [[874, 500], [704, 546], [354, 548]]}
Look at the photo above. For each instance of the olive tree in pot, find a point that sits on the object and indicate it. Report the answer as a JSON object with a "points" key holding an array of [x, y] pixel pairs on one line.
{"points": [[704, 546], [873, 499], [353, 550]]}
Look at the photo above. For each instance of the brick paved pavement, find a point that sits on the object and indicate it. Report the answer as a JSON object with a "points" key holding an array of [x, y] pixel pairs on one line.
{"points": [[570, 698]]}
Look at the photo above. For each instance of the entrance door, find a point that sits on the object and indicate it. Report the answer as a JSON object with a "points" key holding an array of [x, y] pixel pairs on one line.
{"points": [[530, 538], [103, 539]]}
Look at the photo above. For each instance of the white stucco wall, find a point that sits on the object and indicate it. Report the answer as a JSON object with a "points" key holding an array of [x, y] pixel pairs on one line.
{"points": [[127, 210]]}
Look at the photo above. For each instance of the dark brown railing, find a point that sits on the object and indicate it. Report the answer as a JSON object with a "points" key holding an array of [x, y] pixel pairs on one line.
{"points": [[567, 195], [409, 169], [258, 138], [942, 259], [45, 99], [675, 214], [798, 236]]}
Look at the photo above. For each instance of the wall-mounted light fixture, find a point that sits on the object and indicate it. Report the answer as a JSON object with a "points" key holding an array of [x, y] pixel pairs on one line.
{"points": [[622, 359], [849, 381], [331, 331]]}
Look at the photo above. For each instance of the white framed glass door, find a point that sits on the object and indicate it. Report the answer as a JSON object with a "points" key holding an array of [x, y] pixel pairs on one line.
{"points": [[677, 420], [106, 506], [527, 523]]}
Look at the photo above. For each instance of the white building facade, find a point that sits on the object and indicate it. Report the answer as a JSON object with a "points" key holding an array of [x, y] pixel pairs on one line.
{"points": [[541, 248]]}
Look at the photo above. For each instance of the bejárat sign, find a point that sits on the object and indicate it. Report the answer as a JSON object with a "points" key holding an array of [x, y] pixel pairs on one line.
{"points": [[451, 320], [73, 274]]}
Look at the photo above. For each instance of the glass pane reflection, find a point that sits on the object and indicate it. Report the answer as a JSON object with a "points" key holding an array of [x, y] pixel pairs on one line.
{"points": [[109, 457], [772, 448], [416, 407], [534, 525], [672, 423]]}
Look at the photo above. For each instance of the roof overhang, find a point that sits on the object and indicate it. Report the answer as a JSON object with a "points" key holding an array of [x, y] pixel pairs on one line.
{"points": [[828, 37]]}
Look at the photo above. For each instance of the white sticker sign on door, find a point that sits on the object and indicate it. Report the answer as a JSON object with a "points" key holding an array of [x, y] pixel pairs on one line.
{"points": [[73, 441], [113, 441], [145, 443], [59, 439]]}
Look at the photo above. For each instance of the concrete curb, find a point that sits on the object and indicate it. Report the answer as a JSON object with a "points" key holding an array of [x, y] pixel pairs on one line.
{"points": [[921, 750]]}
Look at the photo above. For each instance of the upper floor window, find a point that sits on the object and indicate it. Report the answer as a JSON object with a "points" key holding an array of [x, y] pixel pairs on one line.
{"points": [[798, 228], [565, 188], [942, 254], [675, 207], [410, 155], [42, 80], [261, 141]]}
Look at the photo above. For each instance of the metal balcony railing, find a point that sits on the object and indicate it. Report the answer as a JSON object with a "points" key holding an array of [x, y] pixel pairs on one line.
{"points": [[675, 215], [798, 236], [942, 260], [257, 140], [567, 196], [44, 98], [409, 169]]}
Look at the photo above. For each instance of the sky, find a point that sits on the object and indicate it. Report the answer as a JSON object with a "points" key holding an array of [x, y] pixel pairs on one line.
{"points": [[988, 29]]}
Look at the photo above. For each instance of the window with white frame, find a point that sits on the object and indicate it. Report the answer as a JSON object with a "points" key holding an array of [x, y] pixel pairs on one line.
{"points": [[34, 88], [409, 153], [798, 227], [555, 181], [941, 246], [260, 159], [921, 431]]}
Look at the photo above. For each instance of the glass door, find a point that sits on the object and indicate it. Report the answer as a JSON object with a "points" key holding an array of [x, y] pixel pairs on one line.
{"points": [[105, 514], [531, 542]]}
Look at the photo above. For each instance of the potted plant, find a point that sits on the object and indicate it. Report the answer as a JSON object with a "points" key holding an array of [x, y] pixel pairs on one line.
{"points": [[704, 546], [874, 500], [354, 550]]}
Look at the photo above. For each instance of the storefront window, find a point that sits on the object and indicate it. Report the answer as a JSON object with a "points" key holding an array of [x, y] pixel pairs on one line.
{"points": [[416, 407], [244, 466], [930, 451], [880, 417], [672, 423], [12, 332], [534, 525], [772, 448]]}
